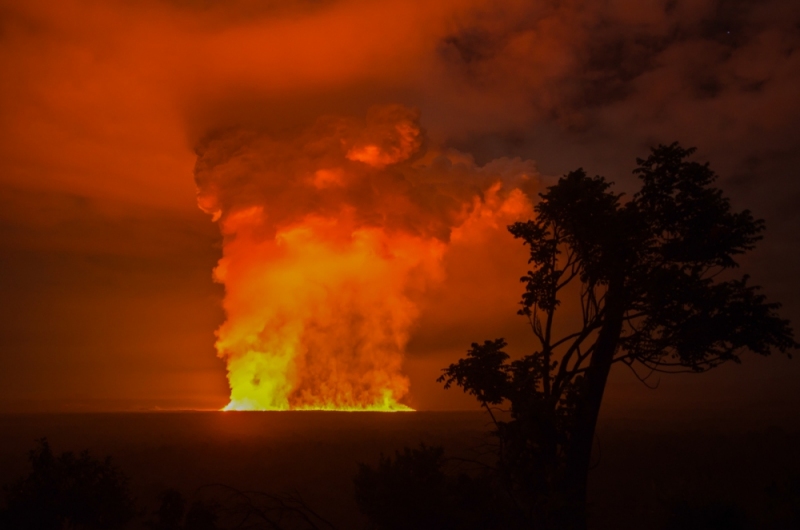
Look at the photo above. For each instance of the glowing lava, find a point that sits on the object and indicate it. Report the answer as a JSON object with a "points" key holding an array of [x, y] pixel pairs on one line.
{"points": [[319, 315]]}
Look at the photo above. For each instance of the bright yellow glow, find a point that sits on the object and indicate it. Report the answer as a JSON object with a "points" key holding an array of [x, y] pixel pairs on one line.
{"points": [[319, 315]]}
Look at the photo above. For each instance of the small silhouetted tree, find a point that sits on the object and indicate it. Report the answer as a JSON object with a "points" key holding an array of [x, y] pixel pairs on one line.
{"points": [[67, 492], [652, 279]]}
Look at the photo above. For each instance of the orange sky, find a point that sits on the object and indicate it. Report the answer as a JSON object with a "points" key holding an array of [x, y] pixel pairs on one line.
{"points": [[107, 259]]}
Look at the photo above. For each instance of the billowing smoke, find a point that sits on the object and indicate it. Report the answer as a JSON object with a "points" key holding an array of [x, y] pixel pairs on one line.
{"points": [[331, 237]]}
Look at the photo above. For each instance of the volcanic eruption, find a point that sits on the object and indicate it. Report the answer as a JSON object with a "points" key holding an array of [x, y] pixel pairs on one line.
{"points": [[331, 238]]}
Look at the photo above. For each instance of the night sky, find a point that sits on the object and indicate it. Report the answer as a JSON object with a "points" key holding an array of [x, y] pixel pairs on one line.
{"points": [[117, 117]]}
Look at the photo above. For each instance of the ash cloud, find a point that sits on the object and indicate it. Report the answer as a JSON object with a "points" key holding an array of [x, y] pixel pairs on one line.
{"points": [[379, 169]]}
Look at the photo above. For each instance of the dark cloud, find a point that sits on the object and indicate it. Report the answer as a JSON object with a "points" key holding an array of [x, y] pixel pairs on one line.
{"points": [[569, 60]]}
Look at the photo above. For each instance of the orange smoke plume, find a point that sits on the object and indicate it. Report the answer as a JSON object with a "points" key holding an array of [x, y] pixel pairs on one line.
{"points": [[330, 240]]}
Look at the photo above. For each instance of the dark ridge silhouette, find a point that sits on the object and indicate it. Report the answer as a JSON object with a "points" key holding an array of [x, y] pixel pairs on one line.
{"points": [[670, 477]]}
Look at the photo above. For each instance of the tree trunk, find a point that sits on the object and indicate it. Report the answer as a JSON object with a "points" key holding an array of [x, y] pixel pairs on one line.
{"points": [[580, 447]]}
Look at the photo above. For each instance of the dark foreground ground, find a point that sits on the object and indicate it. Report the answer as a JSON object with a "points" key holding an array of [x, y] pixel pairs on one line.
{"points": [[646, 467]]}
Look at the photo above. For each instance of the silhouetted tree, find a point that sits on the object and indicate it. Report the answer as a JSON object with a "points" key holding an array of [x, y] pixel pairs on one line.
{"points": [[652, 279], [67, 492]]}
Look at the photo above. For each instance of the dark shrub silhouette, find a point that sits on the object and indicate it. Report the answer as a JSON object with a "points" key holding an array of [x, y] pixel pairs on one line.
{"points": [[173, 515], [67, 492], [169, 515], [221, 507], [412, 490]]}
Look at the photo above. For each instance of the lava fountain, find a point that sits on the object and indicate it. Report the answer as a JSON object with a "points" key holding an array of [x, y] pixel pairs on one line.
{"points": [[331, 237]]}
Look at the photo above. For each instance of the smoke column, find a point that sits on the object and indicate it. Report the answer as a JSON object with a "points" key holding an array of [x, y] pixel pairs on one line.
{"points": [[331, 238]]}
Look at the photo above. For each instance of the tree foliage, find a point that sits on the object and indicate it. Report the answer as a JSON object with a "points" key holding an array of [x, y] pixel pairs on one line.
{"points": [[68, 491]]}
